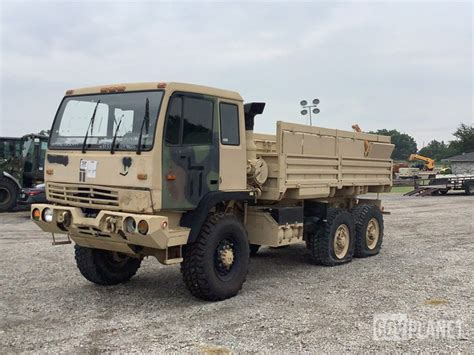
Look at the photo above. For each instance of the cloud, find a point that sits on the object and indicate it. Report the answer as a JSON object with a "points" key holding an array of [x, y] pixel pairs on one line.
{"points": [[406, 66]]}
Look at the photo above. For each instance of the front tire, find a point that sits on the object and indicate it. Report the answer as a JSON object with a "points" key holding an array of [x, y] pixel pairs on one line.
{"points": [[8, 194], [333, 244], [105, 267], [215, 266]]}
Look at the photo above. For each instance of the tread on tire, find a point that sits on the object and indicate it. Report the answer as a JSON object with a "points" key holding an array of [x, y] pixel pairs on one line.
{"points": [[200, 268], [363, 214], [321, 243], [97, 267]]}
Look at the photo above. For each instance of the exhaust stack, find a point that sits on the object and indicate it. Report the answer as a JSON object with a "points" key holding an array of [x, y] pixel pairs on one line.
{"points": [[251, 110]]}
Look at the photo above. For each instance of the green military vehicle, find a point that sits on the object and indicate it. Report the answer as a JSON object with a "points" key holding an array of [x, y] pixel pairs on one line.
{"points": [[21, 166], [175, 171]]}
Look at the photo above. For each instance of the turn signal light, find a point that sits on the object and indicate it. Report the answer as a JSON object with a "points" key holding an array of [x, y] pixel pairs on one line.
{"points": [[36, 214], [49, 171], [161, 85], [142, 176], [143, 227]]}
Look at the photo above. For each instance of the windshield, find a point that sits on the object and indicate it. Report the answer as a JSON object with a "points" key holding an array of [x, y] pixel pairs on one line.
{"points": [[123, 115]]}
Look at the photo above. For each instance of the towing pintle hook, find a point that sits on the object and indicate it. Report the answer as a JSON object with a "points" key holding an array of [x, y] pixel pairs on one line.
{"points": [[111, 224]]}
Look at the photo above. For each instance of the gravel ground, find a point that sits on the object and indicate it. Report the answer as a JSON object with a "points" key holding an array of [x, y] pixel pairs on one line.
{"points": [[424, 272]]}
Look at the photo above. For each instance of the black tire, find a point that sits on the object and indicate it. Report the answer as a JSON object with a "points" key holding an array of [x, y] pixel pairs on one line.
{"points": [[8, 194], [203, 269], [102, 267], [443, 192], [321, 243], [254, 249], [469, 190], [366, 245]]}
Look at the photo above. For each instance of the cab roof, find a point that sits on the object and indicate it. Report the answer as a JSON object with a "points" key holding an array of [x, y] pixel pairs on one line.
{"points": [[168, 86]]}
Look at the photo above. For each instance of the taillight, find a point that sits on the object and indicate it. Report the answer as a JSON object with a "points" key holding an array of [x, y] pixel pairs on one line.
{"points": [[33, 192]]}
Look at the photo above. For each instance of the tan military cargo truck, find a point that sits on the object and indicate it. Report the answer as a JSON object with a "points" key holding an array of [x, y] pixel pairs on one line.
{"points": [[175, 171]]}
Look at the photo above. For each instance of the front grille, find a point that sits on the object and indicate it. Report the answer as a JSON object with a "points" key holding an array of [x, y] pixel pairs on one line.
{"points": [[81, 195]]}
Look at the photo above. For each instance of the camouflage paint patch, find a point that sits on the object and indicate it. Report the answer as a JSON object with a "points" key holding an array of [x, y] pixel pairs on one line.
{"points": [[190, 171]]}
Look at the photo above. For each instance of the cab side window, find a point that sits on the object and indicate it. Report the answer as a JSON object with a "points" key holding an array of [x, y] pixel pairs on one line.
{"points": [[173, 121], [189, 121], [229, 116], [197, 121]]}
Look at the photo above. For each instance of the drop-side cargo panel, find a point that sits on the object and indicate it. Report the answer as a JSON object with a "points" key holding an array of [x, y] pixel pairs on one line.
{"points": [[312, 162]]}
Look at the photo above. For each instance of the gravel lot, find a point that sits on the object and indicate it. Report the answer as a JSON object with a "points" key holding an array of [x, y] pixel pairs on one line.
{"points": [[425, 271]]}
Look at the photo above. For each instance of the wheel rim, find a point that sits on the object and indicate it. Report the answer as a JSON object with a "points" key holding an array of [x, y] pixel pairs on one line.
{"points": [[224, 257], [372, 233], [341, 241], [4, 195]]}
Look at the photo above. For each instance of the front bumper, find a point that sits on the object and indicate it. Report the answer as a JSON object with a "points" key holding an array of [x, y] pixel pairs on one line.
{"points": [[106, 229]]}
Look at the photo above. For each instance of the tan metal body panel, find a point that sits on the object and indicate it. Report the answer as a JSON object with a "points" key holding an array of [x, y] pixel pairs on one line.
{"points": [[262, 229], [233, 158], [312, 162], [169, 86]]}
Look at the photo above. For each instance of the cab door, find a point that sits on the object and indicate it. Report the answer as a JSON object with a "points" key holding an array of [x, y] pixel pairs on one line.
{"points": [[190, 151]]}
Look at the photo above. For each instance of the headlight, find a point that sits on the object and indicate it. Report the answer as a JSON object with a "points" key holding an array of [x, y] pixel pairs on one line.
{"points": [[143, 227], [48, 215], [129, 225]]}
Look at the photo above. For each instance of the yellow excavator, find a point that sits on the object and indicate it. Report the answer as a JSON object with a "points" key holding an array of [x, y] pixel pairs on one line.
{"points": [[429, 163]]}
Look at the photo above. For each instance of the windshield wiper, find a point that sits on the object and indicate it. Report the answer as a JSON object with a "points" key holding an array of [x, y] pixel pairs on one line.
{"points": [[90, 127], [146, 119], [115, 135]]}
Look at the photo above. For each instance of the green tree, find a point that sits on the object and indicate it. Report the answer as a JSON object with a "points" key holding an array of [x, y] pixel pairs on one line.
{"points": [[437, 150], [404, 143], [465, 139]]}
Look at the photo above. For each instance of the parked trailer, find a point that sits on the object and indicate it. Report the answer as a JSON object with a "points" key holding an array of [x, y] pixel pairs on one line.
{"points": [[443, 184], [184, 178]]}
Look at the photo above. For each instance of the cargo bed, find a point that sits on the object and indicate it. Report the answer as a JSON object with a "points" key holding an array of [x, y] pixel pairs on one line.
{"points": [[312, 162]]}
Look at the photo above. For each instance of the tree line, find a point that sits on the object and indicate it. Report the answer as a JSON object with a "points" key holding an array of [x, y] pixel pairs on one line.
{"points": [[405, 144]]}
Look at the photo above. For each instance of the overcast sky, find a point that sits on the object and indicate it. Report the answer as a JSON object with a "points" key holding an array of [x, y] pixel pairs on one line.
{"points": [[403, 65]]}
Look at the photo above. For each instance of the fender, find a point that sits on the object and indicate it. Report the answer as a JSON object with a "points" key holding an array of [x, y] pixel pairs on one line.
{"points": [[195, 219], [4, 173]]}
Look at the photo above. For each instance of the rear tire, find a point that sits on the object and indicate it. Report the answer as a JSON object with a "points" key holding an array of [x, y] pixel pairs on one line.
{"points": [[105, 267], [333, 243], [369, 230], [215, 266], [8, 194]]}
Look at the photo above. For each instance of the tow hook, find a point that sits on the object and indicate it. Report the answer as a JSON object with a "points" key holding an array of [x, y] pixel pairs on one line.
{"points": [[111, 224]]}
